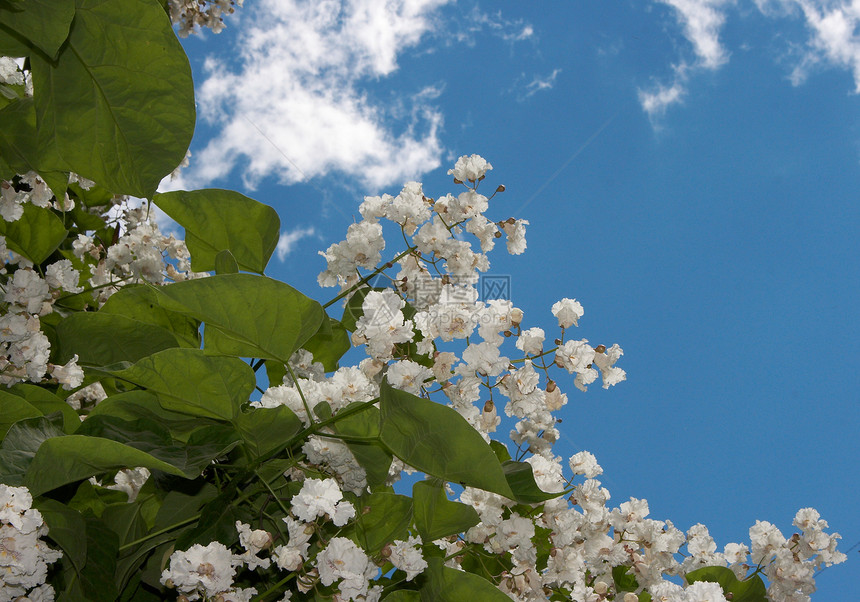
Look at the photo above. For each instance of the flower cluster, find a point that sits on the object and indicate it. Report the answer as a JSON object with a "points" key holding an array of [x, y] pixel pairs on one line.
{"points": [[24, 556], [189, 14], [140, 253]]}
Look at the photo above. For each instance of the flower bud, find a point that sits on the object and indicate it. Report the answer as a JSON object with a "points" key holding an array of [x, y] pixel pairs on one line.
{"points": [[489, 406], [600, 349], [601, 588], [501, 188], [631, 597], [550, 386]]}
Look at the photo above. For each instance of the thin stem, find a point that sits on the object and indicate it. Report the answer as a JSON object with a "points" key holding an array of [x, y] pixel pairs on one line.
{"points": [[302, 395], [367, 278]]}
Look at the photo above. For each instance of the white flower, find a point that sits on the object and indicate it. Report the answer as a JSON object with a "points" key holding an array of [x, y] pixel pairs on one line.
{"points": [[343, 561], [406, 556], [200, 570], [407, 375], [585, 463], [516, 232], [531, 341], [28, 290], [130, 481], [568, 312], [70, 376], [319, 498], [61, 275], [470, 169], [254, 541]]}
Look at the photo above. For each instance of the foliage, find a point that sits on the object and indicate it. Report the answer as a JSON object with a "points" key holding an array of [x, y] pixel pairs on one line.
{"points": [[131, 416]]}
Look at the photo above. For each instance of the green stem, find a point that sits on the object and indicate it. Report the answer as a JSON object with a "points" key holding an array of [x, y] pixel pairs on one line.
{"points": [[181, 523], [367, 278]]}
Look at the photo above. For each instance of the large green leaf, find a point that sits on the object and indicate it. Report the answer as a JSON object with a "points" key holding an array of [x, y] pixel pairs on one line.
{"points": [[66, 526], [19, 151], [521, 479], [436, 516], [190, 382], [438, 441], [749, 590], [63, 460], [102, 339], [141, 303], [13, 409], [267, 429], [450, 585], [372, 456], [132, 405], [95, 582], [329, 344], [36, 234], [246, 315], [380, 519], [44, 23], [48, 403], [120, 113], [20, 446], [217, 220]]}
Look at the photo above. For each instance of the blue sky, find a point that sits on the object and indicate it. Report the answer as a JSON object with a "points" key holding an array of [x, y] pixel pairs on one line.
{"points": [[690, 170]]}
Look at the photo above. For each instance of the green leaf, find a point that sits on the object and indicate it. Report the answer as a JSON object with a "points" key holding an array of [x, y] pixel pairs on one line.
{"points": [[521, 479], [450, 585], [223, 220], [190, 382], [142, 404], [267, 429], [19, 151], [97, 578], [102, 339], [436, 516], [225, 263], [275, 372], [217, 522], [438, 441], [246, 315], [13, 409], [121, 114], [36, 234], [48, 403], [44, 23], [66, 527], [380, 519], [94, 499], [20, 445], [141, 303], [63, 460], [749, 590], [373, 457], [500, 450], [403, 595], [329, 344]]}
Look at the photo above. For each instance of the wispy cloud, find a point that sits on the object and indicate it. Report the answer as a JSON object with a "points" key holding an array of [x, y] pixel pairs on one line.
{"points": [[289, 238], [542, 83], [834, 38], [295, 106], [701, 22], [478, 21]]}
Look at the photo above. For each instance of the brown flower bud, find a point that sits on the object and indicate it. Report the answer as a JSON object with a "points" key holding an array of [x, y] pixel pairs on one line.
{"points": [[489, 406], [600, 349], [550, 386], [501, 188]]}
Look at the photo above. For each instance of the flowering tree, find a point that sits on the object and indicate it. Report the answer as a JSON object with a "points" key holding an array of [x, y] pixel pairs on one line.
{"points": [[138, 463]]}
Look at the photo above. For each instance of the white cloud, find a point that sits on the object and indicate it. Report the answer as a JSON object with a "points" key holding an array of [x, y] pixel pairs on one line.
{"points": [[701, 21], [542, 83], [834, 39], [289, 238], [295, 107], [510, 30], [657, 101]]}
